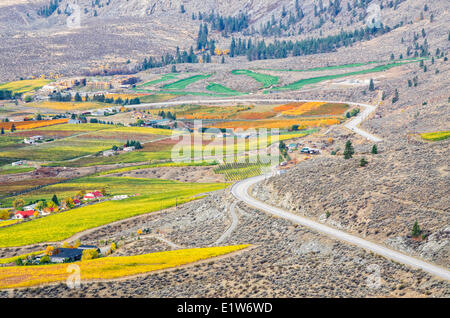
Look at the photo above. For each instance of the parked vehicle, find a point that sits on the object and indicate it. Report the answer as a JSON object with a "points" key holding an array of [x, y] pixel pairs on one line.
{"points": [[305, 150]]}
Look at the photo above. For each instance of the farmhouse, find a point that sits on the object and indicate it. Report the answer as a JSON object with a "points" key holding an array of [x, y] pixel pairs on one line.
{"points": [[128, 149], [74, 121], [120, 197], [20, 215], [29, 207], [61, 255], [17, 163], [93, 195], [32, 140], [76, 202], [108, 153]]}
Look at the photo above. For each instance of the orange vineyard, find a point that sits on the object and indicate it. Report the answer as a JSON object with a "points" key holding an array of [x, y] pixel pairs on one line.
{"points": [[278, 123], [21, 125]]}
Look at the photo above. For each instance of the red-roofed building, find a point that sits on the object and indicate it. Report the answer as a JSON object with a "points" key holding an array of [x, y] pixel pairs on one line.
{"points": [[93, 195], [76, 202], [24, 214]]}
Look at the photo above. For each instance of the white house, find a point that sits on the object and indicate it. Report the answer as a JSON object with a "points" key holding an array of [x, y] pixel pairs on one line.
{"points": [[120, 197], [108, 153], [128, 149], [17, 163]]}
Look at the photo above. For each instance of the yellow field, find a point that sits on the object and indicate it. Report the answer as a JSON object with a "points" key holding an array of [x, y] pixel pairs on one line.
{"points": [[24, 86], [278, 123], [67, 105], [302, 108], [108, 267], [8, 222], [436, 136], [14, 258]]}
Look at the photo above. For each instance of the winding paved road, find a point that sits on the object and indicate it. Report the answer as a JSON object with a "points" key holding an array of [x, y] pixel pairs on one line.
{"points": [[241, 191]]}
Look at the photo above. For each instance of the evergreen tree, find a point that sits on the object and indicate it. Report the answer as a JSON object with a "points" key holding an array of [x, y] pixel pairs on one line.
{"points": [[78, 97], [2, 132], [349, 151], [374, 150], [415, 232], [13, 128], [395, 98], [55, 199], [371, 85], [363, 162]]}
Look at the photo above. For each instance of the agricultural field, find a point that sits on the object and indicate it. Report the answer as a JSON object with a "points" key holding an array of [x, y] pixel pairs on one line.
{"points": [[17, 169], [266, 80], [218, 88], [239, 171], [109, 267], [436, 136], [164, 78], [280, 123], [183, 83], [60, 149], [151, 195], [6, 223], [24, 86], [67, 106], [21, 125], [311, 109], [313, 80]]}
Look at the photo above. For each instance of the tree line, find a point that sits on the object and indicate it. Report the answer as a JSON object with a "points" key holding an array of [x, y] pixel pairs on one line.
{"points": [[259, 50]]}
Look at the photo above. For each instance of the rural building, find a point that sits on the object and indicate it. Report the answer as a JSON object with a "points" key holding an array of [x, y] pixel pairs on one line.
{"points": [[29, 207], [108, 153], [128, 149], [74, 121], [61, 255], [76, 202], [93, 195], [33, 139], [120, 197], [20, 215], [17, 163]]}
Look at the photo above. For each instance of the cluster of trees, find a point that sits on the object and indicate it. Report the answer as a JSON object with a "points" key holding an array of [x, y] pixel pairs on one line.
{"points": [[58, 97], [273, 27], [167, 115], [6, 94], [135, 143], [352, 113], [48, 10], [180, 57], [119, 101], [282, 49], [227, 24]]}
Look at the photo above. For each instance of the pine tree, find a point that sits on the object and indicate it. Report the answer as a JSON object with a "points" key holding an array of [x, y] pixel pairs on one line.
{"points": [[349, 151], [374, 149], [55, 199], [363, 162], [371, 85], [2, 132], [415, 232]]}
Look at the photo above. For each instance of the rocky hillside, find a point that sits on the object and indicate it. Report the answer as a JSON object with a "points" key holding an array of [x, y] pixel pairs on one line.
{"points": [[58, 36]]}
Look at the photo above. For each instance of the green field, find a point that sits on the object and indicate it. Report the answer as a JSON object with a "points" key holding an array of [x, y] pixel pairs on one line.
{"points": [[266, 80], [60, 149], [18, 169], [163, 78], [436, 136], [24, 86], [159, 165], [154, 195], [183, 83], [218, 88], [313, 80]]}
